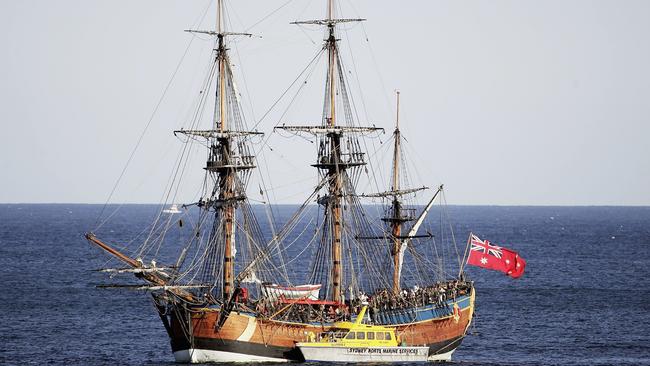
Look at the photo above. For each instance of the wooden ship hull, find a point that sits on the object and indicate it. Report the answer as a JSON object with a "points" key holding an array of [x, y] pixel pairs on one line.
{"points": [[196, 338]]}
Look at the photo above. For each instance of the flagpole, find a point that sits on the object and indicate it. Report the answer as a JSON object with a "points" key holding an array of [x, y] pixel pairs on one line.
{"points": [[462, 264]]}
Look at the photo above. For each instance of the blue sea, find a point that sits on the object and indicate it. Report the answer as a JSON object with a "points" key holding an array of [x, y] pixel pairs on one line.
{"points": [[584, 299]]}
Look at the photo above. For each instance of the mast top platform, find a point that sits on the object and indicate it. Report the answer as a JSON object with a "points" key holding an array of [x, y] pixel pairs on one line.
{"points": [[394, 193], [335, 130], [327, 22], [216, 133], [219, 34]]}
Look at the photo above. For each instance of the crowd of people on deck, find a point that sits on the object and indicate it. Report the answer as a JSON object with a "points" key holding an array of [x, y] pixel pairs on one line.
{"points": [[379, 301], [437, 294]]}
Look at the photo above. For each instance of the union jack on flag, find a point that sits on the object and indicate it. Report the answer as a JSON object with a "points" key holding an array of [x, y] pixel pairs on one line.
{"points": [[485, 247]]}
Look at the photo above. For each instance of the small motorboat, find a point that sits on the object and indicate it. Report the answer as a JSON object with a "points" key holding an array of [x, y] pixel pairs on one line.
{"points": [[359, 342], [173, 209]]}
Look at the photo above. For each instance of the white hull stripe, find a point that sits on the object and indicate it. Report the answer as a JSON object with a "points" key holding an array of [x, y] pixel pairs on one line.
{"points": [[194, 355], [250, 329]]}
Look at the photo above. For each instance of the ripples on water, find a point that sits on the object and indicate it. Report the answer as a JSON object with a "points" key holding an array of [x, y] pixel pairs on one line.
{"points": [[584, 300]]}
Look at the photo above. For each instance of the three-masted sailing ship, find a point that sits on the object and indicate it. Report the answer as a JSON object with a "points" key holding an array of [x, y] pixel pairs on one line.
{"points": [[230, 296]]}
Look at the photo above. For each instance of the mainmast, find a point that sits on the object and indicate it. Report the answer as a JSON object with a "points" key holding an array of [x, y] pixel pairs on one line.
{"points": [[334, 160], [333, 169], [226, 176]]}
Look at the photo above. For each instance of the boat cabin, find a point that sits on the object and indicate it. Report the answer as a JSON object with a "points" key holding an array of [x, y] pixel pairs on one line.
{"points": [[357, 334], [360, 337]]}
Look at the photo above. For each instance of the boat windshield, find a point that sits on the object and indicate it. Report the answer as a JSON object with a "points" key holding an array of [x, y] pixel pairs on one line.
{"points": [[369, 335], [332, 335]]}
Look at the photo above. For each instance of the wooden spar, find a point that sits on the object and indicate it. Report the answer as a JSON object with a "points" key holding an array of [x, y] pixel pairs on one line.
{"points": [[229, 215], [117, 254], [167, 288], [330, 9], [219, 9], [397, 243], [135, 270], [226, 177], [396, 150], [335, 199], [152, 277], [152, 288], [332, 65], [222, 85], [332, 81], [396, 223], [334, 172]]}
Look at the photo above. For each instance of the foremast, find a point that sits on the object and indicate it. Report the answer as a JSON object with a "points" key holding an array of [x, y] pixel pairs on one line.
{"points": [[229, 160], [223, 203], [226, 174]]}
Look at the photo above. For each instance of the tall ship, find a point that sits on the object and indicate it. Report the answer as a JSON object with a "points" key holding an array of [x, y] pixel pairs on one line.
{"points": [[239, 290]]}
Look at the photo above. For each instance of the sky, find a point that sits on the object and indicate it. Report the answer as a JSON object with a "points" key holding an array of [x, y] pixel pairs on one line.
{"points": [[505, 102]]}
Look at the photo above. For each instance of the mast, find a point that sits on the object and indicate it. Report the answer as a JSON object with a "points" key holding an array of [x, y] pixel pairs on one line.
{"points": [[229, 157], [331, 46], [335, 159], [397, 214], [223, 192], [396, 225], [226, 176], [222, 76], [333, 173]]}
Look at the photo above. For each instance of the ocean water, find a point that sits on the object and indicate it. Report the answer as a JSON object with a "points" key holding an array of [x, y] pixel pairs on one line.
{"points": [[584, 300]]}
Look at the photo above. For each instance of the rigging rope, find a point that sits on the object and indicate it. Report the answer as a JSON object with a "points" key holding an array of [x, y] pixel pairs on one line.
{"points": [[144, 131]]}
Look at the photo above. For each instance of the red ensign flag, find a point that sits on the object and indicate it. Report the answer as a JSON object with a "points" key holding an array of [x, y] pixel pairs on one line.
{"points": [[484, 254]]}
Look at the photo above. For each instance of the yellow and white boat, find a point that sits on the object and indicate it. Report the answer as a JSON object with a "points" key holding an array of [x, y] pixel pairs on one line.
{"points": [[359, 342]]}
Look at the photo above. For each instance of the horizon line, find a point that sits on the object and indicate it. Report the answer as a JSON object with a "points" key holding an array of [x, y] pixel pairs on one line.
{"points": [[314, 203]]}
